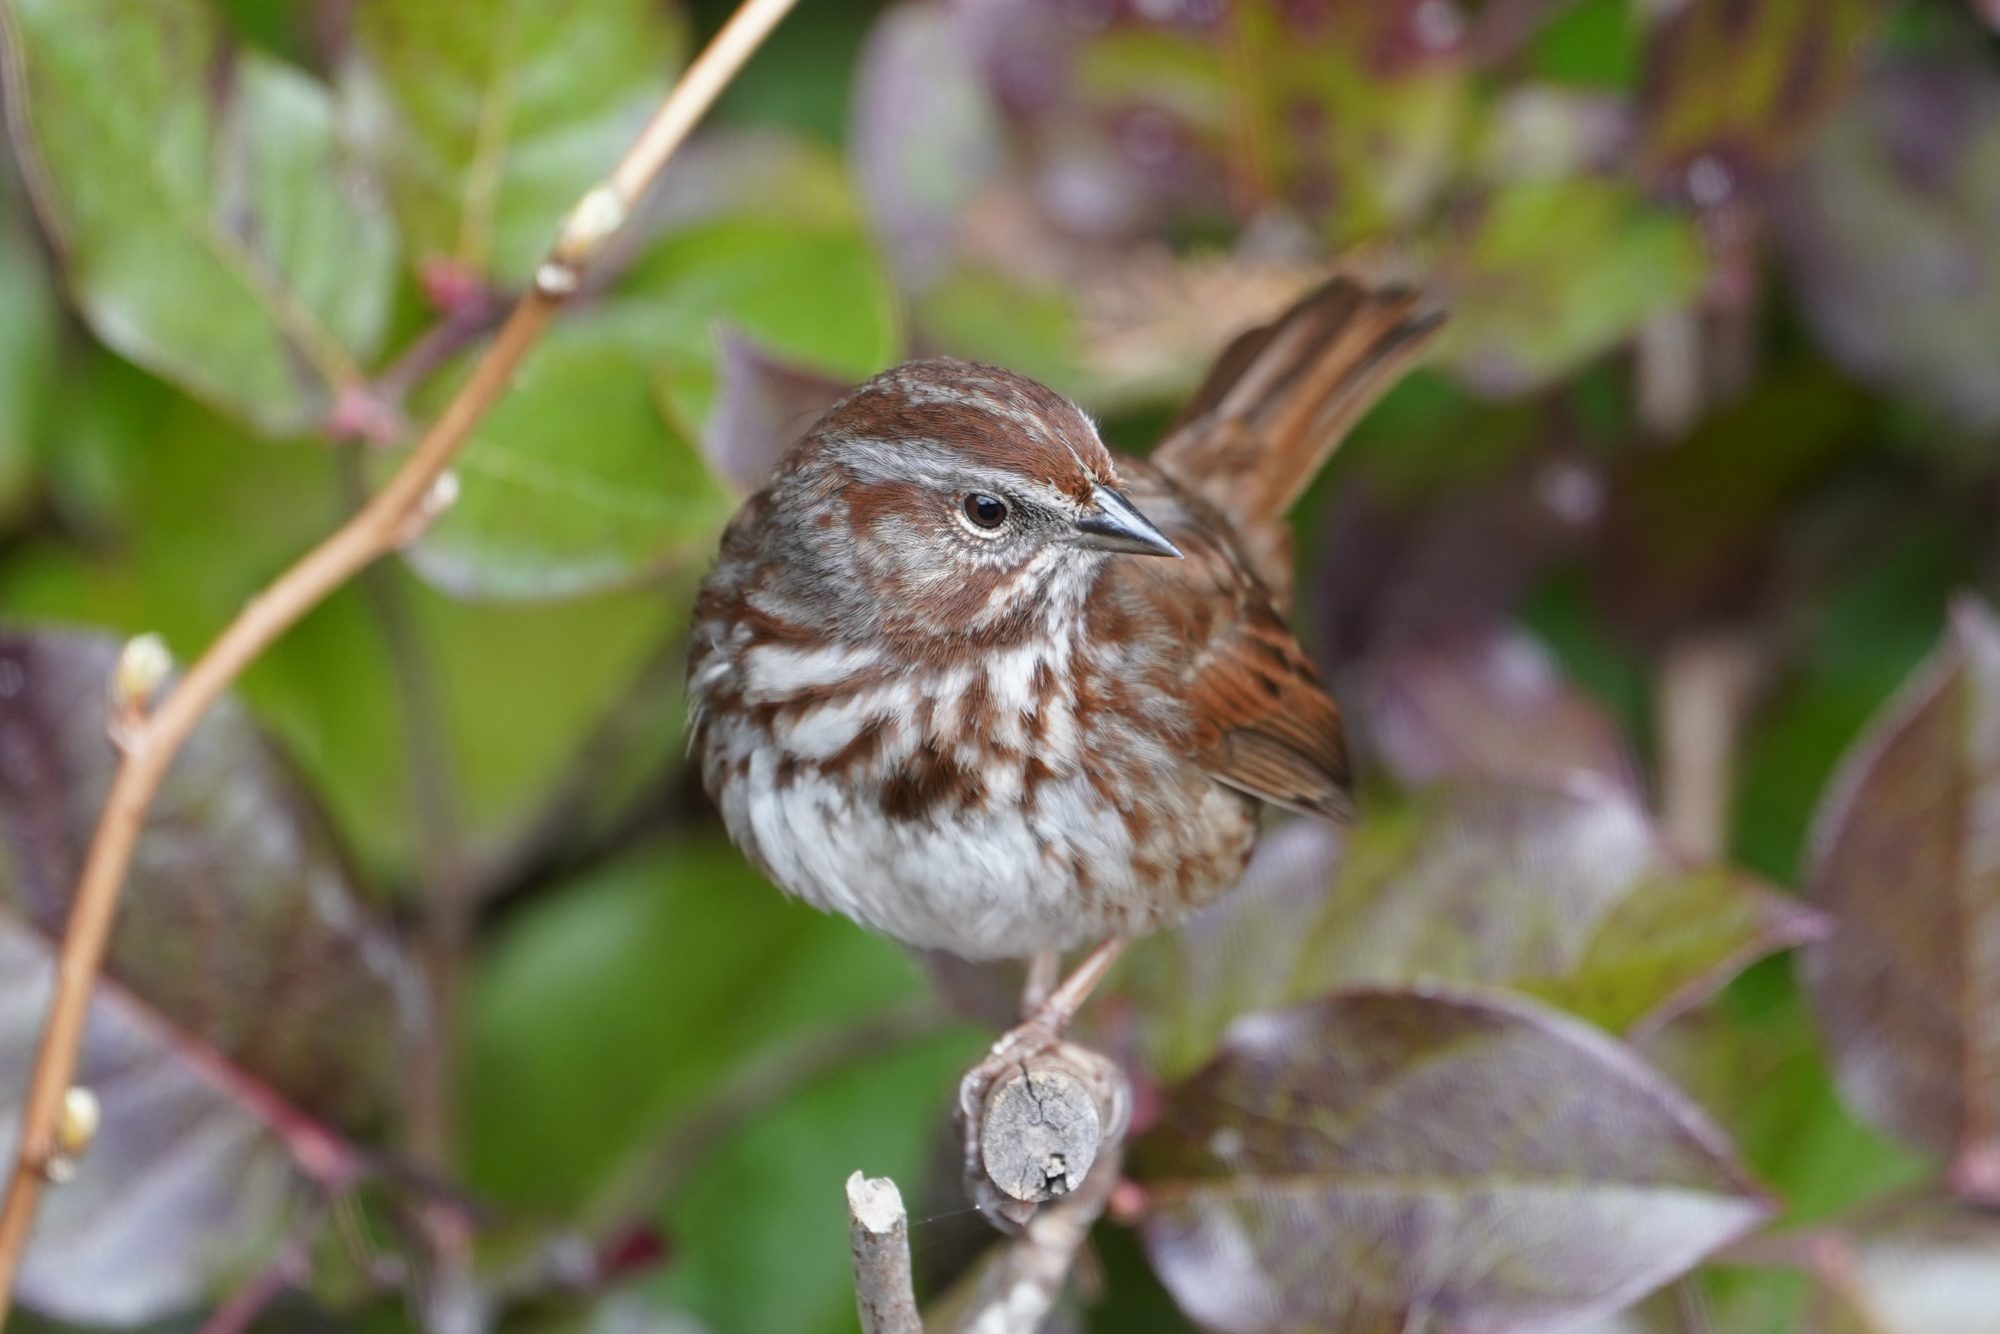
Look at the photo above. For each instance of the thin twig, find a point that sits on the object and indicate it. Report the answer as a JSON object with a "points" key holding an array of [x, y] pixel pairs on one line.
{"points": [[430, 1113], [1691, 1305], [249, 1302], [396, 514], [375, 411], [434, 810], [287, 1269], [878, 1231], [1706, 687]]}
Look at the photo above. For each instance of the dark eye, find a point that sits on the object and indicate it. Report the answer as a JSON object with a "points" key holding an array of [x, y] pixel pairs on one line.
{"points": [[985, 511]]}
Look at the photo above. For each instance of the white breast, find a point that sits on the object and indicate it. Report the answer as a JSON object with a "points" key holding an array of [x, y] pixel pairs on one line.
{"points": [[1008, 874]]}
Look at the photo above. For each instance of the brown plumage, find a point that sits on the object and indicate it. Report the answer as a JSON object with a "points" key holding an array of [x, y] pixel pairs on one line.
{"points": [[944, 683], [1281, 397]]}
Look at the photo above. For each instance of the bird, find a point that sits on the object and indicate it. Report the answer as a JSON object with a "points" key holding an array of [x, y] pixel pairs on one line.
{"points": [[966, 677]]}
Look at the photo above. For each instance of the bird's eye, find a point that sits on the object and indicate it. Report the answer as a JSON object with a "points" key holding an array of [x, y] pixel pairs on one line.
{"points": [[985, 511]]}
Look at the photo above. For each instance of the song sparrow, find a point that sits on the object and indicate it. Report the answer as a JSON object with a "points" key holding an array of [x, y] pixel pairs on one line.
{"points": [[965, 677]]}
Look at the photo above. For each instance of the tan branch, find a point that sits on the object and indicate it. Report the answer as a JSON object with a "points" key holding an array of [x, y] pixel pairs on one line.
{"points": [[1051, 1141], [395, 516]]}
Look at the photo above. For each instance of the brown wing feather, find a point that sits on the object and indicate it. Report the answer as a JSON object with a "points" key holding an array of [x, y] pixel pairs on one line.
{"points": [[1273, 407], [1267, 726], [1254, 715]]}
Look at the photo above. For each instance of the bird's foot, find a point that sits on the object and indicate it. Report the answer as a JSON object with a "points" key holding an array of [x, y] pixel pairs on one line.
{"points": [[1005, 1059], [1035, 1042]]}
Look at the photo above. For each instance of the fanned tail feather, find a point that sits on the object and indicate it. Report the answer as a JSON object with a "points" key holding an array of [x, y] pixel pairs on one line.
{"points": [[1282, 396]]}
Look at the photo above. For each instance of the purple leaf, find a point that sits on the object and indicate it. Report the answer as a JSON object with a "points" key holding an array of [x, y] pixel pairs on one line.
{"points": [[1565, 892], [1904, 859], [248, 983], [1694, 532], [194, 1177], [1393, 574], [1383, 1160], [762, 406], [1493, 704], [1887, 232], [925, 135]]}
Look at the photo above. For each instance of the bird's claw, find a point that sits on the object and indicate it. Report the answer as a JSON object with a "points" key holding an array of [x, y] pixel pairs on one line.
{"points": [[1004, 1058]]}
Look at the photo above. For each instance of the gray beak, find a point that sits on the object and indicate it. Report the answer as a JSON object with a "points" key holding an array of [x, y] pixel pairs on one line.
{"points": [[1114, 525]]}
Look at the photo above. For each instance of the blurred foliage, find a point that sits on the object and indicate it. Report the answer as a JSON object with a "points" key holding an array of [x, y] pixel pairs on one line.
{"points": [[1287, 1189], [1720, 370]]}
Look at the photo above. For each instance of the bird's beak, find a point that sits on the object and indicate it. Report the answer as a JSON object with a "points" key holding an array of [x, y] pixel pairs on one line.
{"points": [[1112, 524]]}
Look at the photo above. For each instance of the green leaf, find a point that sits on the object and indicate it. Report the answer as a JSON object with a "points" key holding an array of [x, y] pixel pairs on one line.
{"points": [[190, 503], [1670, 943], [214, 227], [1564, 891], [1555, 273], [1908, 986], [1665, 1312], [1593, 43], [1379, 1160], [589, 473], [746, 171], [982, 315], [573, 482], [524, 689], [496, 115], [28, 338], [761, 1227], [1488, 703], [608, 1010], [809, 290]]}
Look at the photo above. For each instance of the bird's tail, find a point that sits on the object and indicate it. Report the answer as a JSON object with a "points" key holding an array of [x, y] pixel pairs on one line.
{"points": [[1281, 396]]}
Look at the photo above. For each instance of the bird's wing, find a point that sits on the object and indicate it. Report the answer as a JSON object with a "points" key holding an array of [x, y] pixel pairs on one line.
{"points": [[1266, 726], [1250, 709]]}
